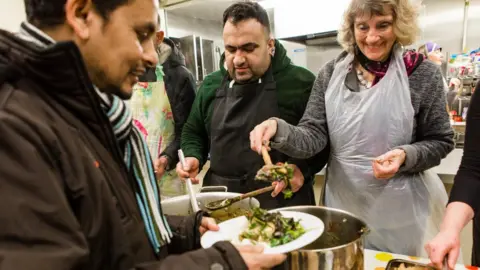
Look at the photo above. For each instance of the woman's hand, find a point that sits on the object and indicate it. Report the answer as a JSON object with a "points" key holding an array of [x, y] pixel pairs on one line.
{"points": [[446, 243], [388, 164], [262, 134]]}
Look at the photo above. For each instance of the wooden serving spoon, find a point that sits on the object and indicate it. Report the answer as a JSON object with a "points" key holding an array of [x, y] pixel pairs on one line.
{"points": [[219, 204]]}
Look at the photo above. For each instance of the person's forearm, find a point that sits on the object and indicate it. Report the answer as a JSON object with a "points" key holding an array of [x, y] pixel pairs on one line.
{"points": [[310, 136], [303, 141], [457, 216]]}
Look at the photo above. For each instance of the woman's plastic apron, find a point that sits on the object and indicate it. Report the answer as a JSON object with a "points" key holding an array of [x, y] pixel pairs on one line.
{"points": [[405, 211], [153, 116]]}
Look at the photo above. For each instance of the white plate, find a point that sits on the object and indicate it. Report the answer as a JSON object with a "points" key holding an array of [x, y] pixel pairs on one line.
{"points": [[231, 229]]}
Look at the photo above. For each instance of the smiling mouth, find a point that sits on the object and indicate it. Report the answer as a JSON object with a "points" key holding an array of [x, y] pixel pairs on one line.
{"points": [[138, 73]]}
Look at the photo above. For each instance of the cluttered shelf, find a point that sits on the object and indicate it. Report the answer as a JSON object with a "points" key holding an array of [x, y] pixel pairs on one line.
{"points": [[462, 74]]}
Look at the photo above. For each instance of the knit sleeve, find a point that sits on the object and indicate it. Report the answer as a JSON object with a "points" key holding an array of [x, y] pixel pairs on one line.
{"points": [[434, 134], [310, 136]]}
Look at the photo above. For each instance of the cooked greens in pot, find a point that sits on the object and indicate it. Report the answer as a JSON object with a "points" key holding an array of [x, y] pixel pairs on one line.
{"points": [[271, 228], [403, 267], [228, 213], [281, 172]]}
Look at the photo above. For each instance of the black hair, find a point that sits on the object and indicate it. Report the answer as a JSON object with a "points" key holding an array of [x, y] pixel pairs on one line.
{"points": [[50, 13], [242, 11]]}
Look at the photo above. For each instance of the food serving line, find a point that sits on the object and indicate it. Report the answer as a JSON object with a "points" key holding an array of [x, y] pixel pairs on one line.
{"points": [[340, 245]]}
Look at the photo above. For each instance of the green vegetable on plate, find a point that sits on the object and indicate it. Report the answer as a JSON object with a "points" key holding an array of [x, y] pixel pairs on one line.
{"points": [[271, 228]]}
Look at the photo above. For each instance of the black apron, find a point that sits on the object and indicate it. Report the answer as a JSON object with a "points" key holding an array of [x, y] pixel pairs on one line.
{"points": [[236, 112]]}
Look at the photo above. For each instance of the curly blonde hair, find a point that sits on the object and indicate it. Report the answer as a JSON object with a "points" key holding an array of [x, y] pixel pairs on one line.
{"points": [[405, 16]]}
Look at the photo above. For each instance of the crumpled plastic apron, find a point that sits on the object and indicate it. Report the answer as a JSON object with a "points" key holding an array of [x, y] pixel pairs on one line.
{"points": [[405, 211], [153, 116]]}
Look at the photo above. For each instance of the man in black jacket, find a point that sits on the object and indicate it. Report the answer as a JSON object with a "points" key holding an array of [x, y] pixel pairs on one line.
{"points": [[73, 169], [180, 88]]}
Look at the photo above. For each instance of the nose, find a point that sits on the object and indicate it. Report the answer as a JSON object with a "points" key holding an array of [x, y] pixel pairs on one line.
{"points": [[372, 36], [150, 57], [239, 59]]}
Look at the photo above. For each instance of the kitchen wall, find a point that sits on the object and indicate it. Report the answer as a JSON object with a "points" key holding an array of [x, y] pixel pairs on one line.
{"points": [[318, 56], [180, 26], [441, 22], [473, 31], [12, 13], [296, 51]]}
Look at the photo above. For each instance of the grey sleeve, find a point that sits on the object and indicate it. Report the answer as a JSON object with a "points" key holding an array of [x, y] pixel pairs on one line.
{"points": [[434, 134], [310, 136]]}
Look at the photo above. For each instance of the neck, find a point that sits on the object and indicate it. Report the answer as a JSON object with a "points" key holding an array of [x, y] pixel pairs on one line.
{"points": [[59, 33], [365, 73]]}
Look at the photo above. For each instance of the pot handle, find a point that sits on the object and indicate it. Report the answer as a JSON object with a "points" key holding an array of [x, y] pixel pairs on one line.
{"points": [[364, 231], [214, 189]]}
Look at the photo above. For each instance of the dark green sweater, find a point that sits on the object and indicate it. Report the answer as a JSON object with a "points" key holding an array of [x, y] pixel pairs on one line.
{"points": [[294, 85]]}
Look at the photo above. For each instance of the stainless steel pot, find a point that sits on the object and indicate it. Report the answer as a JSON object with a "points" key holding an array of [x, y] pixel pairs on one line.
{"points": [[181, 206], [339, 248]]}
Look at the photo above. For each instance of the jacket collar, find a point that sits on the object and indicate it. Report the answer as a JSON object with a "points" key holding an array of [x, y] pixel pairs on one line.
{"points": [[56, 67], [32, 34]]}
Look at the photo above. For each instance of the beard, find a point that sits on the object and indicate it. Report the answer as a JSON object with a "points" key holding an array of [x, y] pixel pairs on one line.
{"points": [[98, 78], [255, 77]]}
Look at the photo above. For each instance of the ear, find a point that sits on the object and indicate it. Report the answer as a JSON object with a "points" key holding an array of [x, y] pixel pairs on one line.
{"points": [[78, 15], [160, 36], [271, 47]]}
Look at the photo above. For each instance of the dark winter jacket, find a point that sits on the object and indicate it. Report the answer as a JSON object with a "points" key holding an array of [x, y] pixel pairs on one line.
{"points": [[66, 198]]}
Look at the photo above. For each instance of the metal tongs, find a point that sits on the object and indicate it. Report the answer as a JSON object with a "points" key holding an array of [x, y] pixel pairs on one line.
{"points": [[219, 204], [191, 192]]}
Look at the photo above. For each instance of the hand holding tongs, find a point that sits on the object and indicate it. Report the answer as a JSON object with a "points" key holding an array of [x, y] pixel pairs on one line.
{"points": [[191, 192]]}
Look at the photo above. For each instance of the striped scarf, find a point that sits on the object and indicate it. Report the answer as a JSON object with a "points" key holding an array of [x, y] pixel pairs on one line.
{"points": [[138, 160]]}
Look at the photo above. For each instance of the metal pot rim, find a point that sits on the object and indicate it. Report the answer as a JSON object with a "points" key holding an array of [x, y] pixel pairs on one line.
{"points": [[365, 231], [202, 195]]}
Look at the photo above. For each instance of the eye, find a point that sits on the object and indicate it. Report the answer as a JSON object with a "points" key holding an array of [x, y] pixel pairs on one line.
{"points": [[249, 48], [383, 25], [142, 35], [362, 27], [231, 49]]}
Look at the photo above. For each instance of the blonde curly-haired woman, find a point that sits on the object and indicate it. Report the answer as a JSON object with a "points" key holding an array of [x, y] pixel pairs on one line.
{"points": [[383, 112]]}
